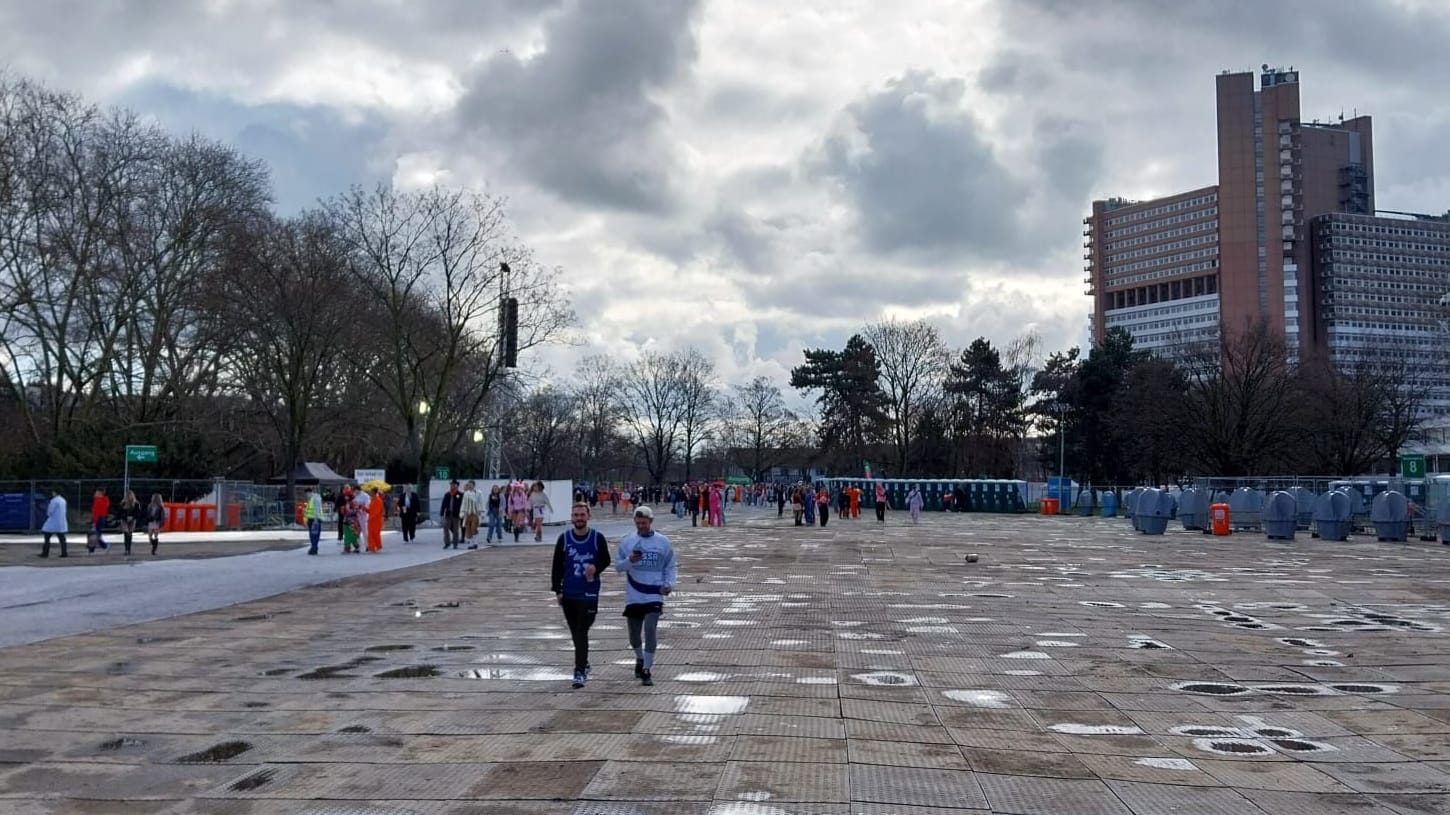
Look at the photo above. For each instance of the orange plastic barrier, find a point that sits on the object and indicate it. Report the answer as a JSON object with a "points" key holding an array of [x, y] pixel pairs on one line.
{"points": [[193, 518], [208, 517], [1049, 506], [301, 513], [175, 517], [234, 516], [1218, 518]]}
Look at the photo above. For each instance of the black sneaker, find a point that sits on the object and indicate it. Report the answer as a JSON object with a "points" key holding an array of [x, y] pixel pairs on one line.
{"points": [[639, 669], [579, 679], [646, 679]]}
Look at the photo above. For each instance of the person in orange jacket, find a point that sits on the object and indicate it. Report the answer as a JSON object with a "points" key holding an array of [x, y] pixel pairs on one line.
{"points": [[855, 493], [375, 522]]}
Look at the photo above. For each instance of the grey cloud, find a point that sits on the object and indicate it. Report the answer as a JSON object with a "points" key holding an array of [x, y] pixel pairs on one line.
{"points": [[922, 177], [581, 117], [757, 105]]}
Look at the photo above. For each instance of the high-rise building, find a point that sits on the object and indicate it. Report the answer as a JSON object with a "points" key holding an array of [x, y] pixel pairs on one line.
{"points": [[1180, 270]]}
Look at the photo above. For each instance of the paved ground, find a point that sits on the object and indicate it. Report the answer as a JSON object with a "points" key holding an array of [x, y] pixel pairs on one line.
{"points": [[1076, 668]]}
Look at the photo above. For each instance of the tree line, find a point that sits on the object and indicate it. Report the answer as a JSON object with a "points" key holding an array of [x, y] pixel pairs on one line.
{"points": [[151, 294]]}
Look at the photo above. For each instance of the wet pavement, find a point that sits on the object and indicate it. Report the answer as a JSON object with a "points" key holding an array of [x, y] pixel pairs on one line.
{"points": [[1076, 667]]}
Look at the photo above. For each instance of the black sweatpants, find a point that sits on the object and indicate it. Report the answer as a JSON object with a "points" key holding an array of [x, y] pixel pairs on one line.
{"points": [[580, 614]]}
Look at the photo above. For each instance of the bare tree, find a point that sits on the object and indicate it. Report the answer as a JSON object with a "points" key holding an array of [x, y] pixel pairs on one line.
{"points": [[1239, 415], [650, 396], [697, 403], [538, 433], [595, 388], [760, 427], [913, 360], [434, 264], [290, 310]]}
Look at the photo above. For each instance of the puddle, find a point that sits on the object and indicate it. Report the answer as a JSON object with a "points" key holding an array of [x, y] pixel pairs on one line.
{"points": [[1276, 732], [718, 636], [713, 705], [410, 672], [925, 621], [859, 635], [526, 674], [1323, 663], [1097, 729], [1206, 731], [1181, 764], [1298, 642], [1100, 604], [1294, 690], [356, 728], [689, 740], [216, 753], [276, 671], [1147, 643], [789, 642], [881, 652], [701, 676], [506, 659], [886, 678], [454, 648], [816, 680], [1154, 605], [1023, 673], [931, 629], [981, 698], [257, 779], [1056, 644], [1026, 655], [1301, 746], [1211, 688], [121, 743], [329, 672], [256, 704], [1232, 747], [1365, 689]]}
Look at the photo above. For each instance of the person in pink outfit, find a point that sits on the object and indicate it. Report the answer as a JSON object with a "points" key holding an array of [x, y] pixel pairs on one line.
{"points": [[716, 506]]}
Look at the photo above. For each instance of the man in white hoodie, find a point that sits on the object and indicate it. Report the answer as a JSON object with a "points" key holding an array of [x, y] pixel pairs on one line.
{"points": [[647, 560]]}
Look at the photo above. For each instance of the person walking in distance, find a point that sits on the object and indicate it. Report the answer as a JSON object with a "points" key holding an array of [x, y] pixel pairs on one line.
{"points": [[312, 514], [472, 509], [647, 560], [156, 516], [341, 503], [882, 502], [539, 506], [131, 512], [450, 508], [580, 555], [361, 504], [100, 510], [408, 514], [375, 521], [495, 514], [56, 523], [518, 507], [823, 504], [914, 502]]}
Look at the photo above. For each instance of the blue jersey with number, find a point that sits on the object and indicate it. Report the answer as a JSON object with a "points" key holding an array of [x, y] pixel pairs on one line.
{"points": [[577, 554]]}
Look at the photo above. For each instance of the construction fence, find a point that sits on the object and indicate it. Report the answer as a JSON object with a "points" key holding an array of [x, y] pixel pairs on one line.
{"points": [[193, 505]]}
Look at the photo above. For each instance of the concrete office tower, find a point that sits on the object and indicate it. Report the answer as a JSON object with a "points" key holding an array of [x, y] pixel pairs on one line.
{"points": [[1181, 270]]}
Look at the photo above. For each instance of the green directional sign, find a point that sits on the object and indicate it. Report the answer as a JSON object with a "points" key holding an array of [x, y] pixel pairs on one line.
{"points": [[440, 473], [140, 454], [1412, 466]]}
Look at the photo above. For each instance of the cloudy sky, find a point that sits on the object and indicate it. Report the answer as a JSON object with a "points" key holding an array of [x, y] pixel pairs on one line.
{"points": [[754, 177]]}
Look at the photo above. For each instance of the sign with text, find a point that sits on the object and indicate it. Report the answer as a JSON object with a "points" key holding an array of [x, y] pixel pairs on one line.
{"points": [[440, 473], [1412, 466], [140, 454], [364, 476]]}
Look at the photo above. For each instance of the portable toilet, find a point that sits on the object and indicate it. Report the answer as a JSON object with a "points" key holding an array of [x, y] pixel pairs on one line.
{"points": [[1390, 515], [1086, 502], [1442, 519], [1193, 509], [1130, 505], [1153, 510], [1280, 516], [1304, 499], [1246, 508], [1110, 504], [1333, 516]]}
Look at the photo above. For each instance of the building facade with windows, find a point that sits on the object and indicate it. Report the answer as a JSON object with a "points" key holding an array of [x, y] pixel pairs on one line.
{"points": [[1181, 270]]}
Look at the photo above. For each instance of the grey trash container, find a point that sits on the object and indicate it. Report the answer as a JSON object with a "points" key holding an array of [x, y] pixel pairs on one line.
{"points": [[1442, 518], [1390, 515], [1279, 517], [1246, 508], [1193, 509], [1086, 503], [1333, 516], [1153, 510], [1304, 499]]}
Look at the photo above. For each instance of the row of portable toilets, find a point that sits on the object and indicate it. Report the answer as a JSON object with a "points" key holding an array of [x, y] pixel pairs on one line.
{"points": [[1279, 514]]}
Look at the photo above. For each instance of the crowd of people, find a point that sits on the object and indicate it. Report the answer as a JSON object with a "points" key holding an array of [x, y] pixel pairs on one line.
{"points": [[130, 514]]}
